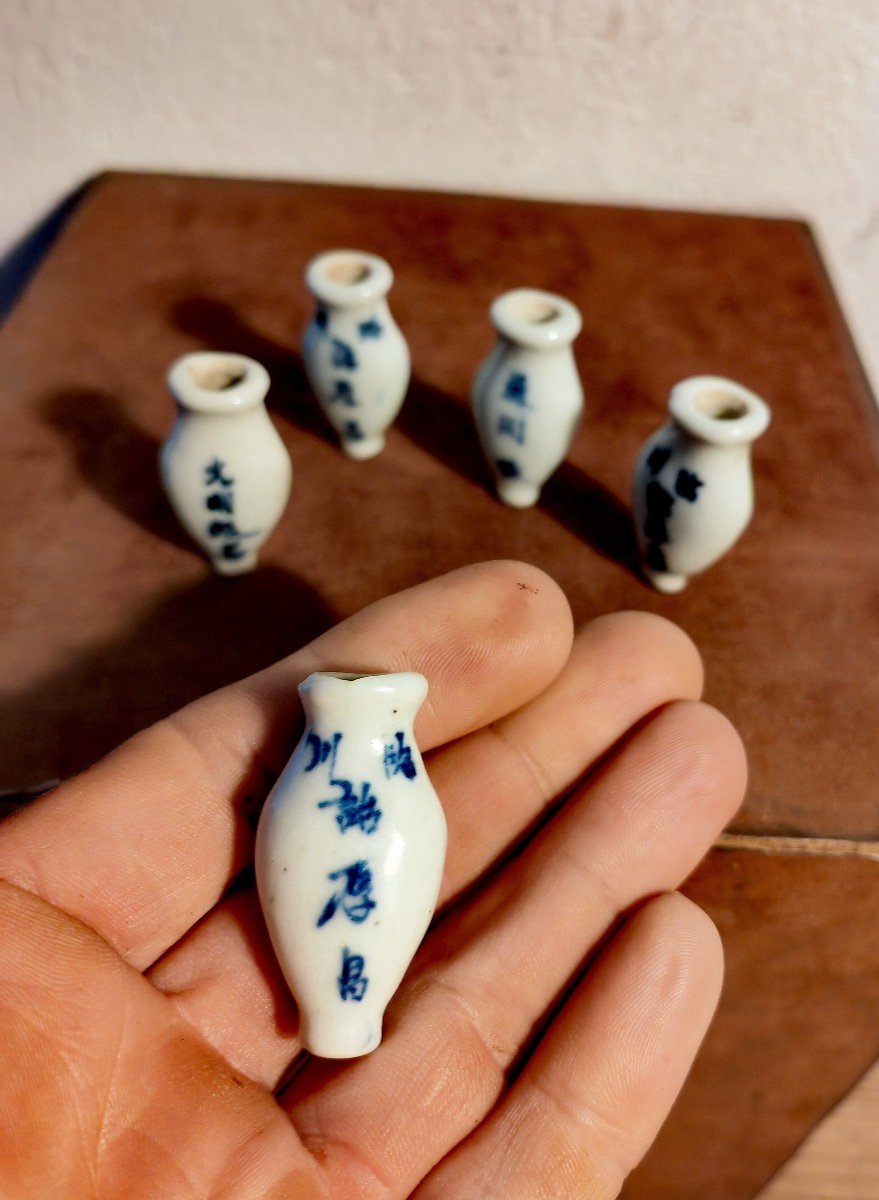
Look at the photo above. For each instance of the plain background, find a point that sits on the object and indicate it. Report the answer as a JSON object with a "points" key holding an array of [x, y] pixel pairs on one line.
{"points": [[761, 106]]}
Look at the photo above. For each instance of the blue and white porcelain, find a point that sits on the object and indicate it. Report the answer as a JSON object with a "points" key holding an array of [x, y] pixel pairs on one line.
{"points": [[692, 491], [349, 856], [356, 358], [527, 395], [224, 467]]}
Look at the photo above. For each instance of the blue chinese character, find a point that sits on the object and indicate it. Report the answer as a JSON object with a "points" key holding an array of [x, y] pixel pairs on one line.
{"points": [[512, 427], [398, 758], [352, 982], [355, 897], [322, 750], [223, 529], [516, 388], [214, 474], [353, 432], [343, 392], [220, 502], [355, 811], [343, 355], [687, 485], [370, 328], [232, 550]]}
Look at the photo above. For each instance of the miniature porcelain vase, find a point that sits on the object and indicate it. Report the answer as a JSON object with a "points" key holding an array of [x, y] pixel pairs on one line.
{"points": [[349, 856], [527, 396], [224, 467], [692, 492], [356, 358]]}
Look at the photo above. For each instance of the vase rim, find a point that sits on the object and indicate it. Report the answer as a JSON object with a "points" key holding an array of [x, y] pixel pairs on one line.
{"points": [[719, 410], [410, 683], [218, 381], [348, 278], [531, 317]]}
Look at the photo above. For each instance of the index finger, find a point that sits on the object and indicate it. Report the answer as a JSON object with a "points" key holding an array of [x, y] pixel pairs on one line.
{"points": [[143, 844]]}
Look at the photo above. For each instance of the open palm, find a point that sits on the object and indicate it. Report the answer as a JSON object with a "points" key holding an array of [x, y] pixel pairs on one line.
{"points": [[550, 1016]]}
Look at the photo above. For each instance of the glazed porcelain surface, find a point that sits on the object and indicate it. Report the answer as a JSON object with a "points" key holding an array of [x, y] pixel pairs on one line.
{"points": [[349, 856], [224, 467], [527, 395], [692, 492], [356, 358]]}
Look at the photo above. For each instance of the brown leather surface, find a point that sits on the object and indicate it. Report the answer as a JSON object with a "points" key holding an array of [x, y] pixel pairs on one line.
{"points": [[796, 1027], [111, 619]]}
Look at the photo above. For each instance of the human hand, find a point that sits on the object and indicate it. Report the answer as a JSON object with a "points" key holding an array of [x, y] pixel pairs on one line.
{"points": [[146, 1027]]}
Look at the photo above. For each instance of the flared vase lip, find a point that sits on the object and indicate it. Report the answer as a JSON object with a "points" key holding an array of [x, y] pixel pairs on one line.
{"points": [[718, 410], [348, 278], [366, 683], [218, 381], [534, 318]]}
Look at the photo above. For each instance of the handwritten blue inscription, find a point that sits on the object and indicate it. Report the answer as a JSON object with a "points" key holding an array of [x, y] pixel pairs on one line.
{"points": [[398, 758], [221, 499], [687, 485], [344, 393], [516, 389], [357, 810], [354, 897], [343, 355], [511, 427], [214, 473], [370, 328], [321, 750], [352, 982]]}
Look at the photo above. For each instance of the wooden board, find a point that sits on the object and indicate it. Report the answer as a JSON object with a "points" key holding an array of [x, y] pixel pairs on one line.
{"points": [[110, 618]]}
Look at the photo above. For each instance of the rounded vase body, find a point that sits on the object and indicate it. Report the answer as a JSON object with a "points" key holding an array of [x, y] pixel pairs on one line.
{"points": [[692, 492], [224, 467], [527, 396], [356, 358], [349, 856]]}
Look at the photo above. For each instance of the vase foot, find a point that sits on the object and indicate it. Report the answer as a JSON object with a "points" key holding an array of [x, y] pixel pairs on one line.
{"points": [[235, 566], [329, 1037], [666, 581], [365, 447], [518, 493]]}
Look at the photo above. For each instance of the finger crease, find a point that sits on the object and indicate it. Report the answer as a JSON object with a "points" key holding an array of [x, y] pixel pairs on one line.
{"points": [[532, 766]]}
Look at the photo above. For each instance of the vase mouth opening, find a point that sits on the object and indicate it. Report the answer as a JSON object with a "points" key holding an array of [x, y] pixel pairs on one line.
{"points": [[218, 382], [718, 410], [324, 686], [349, 676], [217, 376], [348, 270], [534, 318], [721, 404], [348, 278]]}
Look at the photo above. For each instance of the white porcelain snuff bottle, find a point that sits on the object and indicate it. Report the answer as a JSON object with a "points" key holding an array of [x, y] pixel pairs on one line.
{"points": [[224, 466], [349, 856], [356, 358], [692, 491], [527, 396]]}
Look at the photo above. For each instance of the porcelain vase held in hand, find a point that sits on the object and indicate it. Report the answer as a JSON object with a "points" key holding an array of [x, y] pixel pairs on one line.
{"points": [[349, 856], [692, 491], [224, 467], [356, 358], [527, 396]]}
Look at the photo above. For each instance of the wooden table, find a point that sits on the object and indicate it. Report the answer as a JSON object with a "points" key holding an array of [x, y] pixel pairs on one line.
{"points": [[111, 619]]}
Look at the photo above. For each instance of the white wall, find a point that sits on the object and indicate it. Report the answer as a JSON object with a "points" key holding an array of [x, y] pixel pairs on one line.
{"points": [[765, 106]]}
